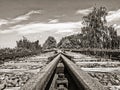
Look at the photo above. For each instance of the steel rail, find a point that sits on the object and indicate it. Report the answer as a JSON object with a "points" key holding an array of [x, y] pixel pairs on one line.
{"points": [[81, 77], [40, 81]]}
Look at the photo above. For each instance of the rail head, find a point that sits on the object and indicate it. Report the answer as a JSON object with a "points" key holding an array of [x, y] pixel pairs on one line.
{"points": [[40, 81], [81, 77]]}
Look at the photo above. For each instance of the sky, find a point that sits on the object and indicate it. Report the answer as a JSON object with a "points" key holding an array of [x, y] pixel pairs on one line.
{"points": [[38, 19]]}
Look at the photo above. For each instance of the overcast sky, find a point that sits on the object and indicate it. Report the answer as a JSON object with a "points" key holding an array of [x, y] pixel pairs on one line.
{"points": [[38, 19]]}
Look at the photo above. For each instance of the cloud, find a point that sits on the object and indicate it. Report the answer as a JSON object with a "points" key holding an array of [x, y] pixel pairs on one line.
{"points": [[3, 21], [43, 27], [53, 25], [113, 15], [19, 18], [65, 31], [116, 26], [6, 31], [53, 21], [33, 12], [84, 11], [26, 16]]}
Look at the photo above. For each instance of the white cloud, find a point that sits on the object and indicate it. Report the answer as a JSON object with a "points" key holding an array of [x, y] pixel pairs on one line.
{"points": [[42, 27], [6, 31], [65, 31], [84, 11], [33, 12], [53, 24], [19, 18], [26, 16], [3, 21], [113, 15], [116, 26], [53, 21]]}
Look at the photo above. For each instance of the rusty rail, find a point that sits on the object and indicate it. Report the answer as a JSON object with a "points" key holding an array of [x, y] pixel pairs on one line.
{"points": [[40, 81], [81, 78]]}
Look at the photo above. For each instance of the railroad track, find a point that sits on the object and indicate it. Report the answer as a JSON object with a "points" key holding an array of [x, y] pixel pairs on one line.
{"points": [[62, 74]]}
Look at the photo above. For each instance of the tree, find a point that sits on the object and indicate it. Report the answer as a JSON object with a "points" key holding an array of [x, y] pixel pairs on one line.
{"points": [[50, 43], [114, 42], [25, 43], [70, 42], [95, 32]]}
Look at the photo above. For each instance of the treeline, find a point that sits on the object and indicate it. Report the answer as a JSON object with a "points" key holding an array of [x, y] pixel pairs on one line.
{"points": [[24, 48], [95, 33], [8, 53], [25, 43], [72, 41], [50, 43]]}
